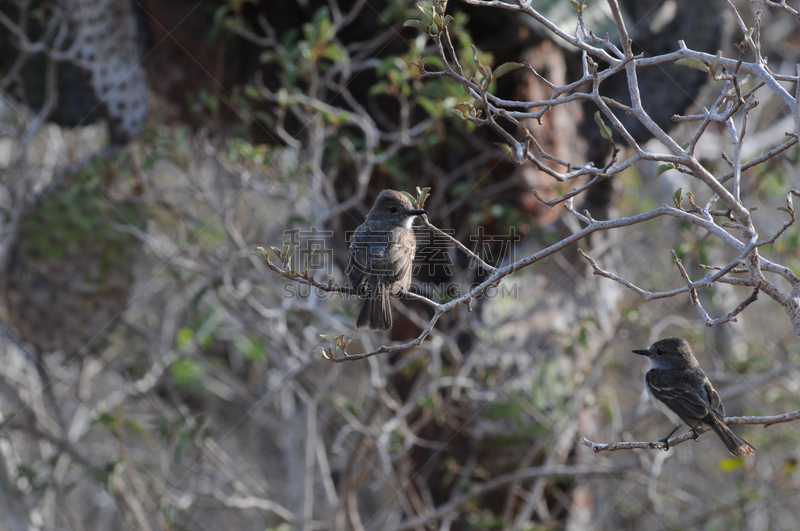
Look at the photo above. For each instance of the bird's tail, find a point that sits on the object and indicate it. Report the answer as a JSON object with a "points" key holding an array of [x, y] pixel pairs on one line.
{"points": [[376, 312], [735, 444]]}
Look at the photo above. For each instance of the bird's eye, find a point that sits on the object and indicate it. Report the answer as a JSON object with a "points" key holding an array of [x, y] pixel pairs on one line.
{"points": [[659, 351], [393, 209]]}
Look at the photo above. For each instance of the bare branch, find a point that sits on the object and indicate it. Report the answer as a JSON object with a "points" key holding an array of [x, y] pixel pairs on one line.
{"points": [[657, 445], [460, 246]]}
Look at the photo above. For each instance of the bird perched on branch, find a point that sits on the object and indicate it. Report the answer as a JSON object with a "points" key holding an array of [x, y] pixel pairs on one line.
{"points": [[381, 255], [680, 389]]}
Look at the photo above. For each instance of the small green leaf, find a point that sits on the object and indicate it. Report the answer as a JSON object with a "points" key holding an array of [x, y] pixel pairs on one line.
{"points": [[459, 114], [183, 337], [321, 351], [505, 68], [605, 132], [414, 23], [251, 92], [715, 63], [135, 426], [506, 148], [463, 109], [433, 108], [730, 464], [259, 252], [283, 97], [186, 371], [752, 208], [691, 62], [422, 195], [409, 196], [664, 167], [677, 198], [578, 5], [330, 338], [789, 208], [749, 34], [484, 70]]}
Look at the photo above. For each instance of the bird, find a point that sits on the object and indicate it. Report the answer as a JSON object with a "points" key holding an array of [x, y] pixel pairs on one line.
{"points": [[682, 391], [381, 255]]}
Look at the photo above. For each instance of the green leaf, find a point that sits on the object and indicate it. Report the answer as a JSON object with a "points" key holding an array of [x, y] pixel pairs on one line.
{"points": [[251, 348], [484, 70], [183, 337], [409, 196], [691, 62], [463, 109], [578, 5], [265, 118], [283, 97], [730, 464], [330, 338], [414, 23], [506, 148], [335, 54], [321, 351], [715, 63], [422, 196], [677, 198], [605, 132], [789, 208], [664, 167], [430, 106], [505, 68], [251, 92], [259, 252], [135, 426], [186, 371], [426, 8]]}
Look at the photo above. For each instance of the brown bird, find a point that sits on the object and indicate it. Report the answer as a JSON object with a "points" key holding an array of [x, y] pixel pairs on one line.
{"points": [[381, 255], [681, 390]]}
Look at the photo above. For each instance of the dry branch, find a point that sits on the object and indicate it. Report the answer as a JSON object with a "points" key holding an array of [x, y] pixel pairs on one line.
{"points": [[612, 447]]}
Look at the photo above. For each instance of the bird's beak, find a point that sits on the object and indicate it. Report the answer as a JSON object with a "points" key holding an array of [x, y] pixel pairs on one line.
{"points": [[642, 351], [417, 212]]}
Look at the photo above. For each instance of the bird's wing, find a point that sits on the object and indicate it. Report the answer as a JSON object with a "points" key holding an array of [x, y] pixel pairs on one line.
{"points": [[713, 399], [401, 257], [357, 264], [681, 398]]}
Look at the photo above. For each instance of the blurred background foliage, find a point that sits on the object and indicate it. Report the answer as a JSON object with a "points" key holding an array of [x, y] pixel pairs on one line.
{"points": [[156, 377]]}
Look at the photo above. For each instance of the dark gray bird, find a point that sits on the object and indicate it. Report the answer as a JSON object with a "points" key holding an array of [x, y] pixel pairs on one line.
{"points": [[381, 255], [680, 389]]}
